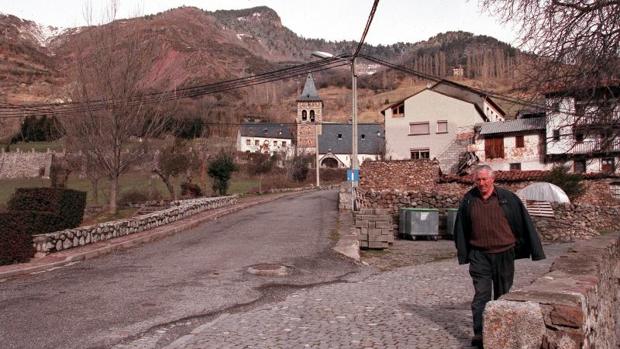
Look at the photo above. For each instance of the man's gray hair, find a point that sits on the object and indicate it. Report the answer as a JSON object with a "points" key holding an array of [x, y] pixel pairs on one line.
{"points": [[484, 167]]}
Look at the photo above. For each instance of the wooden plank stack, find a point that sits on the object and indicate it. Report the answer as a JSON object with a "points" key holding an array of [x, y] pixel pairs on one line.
{"points": [[374, 228]]}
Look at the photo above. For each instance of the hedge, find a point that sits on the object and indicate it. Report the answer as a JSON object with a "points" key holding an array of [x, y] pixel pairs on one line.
{"points": [[16, 230], [66, 203]]}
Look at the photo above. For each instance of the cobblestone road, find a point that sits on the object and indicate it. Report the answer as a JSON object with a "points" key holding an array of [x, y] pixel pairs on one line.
{"points": [[420, 306]]}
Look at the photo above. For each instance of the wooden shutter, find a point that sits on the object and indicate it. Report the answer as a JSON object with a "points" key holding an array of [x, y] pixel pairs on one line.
{"points": [[494, 147]]}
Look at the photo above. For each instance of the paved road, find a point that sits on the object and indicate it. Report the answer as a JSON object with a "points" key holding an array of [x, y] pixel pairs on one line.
{"points": [[152, 295], [422, 306]]}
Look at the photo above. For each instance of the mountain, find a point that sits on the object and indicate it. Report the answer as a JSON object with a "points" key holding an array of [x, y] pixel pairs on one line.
{"points": [[188, 46]]}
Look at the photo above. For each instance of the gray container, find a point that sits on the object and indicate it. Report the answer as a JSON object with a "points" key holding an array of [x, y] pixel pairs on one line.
{"points": [[450, 220], [418, 222]]}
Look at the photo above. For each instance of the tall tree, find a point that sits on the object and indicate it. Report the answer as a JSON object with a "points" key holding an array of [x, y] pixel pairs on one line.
{"points": [[114, 124]]}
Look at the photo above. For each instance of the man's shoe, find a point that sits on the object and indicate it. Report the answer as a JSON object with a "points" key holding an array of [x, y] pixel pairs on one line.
{"points": [[476, 341]]}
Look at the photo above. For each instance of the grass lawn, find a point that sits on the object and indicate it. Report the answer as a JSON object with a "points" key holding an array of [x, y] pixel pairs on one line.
{"points": [[141, 181], [38, 146]]}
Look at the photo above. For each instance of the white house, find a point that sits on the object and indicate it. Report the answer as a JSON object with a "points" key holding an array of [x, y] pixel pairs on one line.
{"points": [[424, 125], [583, 129], [267, 138]]}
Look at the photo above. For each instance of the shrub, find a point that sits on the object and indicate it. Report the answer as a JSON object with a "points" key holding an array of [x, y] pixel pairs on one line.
{"points": [[571, 183], [191, 190], [299, 168], [16, 230], [66, 203], [221, 169]]}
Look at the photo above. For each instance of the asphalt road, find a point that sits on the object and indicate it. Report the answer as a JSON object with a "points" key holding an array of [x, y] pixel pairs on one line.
{"points": [[148, 296]]}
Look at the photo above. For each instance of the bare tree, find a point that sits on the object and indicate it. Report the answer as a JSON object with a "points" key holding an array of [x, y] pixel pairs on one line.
{"points": [[576, 43], [114, 123], [575, 63]]}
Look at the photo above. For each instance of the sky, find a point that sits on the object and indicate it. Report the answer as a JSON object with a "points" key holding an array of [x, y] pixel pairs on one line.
{"points": [[395, 20]]}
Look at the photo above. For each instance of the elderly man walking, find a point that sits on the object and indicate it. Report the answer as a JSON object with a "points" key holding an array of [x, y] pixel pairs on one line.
{"points": [[492, 229]]}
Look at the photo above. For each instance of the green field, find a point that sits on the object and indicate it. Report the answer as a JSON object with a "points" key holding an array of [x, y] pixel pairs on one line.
{"points": [[141, 181]]}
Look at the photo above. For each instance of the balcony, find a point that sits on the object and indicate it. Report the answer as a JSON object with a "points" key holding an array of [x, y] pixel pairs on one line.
{"points": [[596, 146]]}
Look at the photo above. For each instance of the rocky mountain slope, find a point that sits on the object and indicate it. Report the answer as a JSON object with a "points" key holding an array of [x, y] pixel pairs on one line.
{"points": [[189, 46]]}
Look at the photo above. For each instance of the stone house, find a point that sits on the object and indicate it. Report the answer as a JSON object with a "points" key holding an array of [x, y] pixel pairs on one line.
{"points": [[512, 145], [425, 125], [583, 129]]}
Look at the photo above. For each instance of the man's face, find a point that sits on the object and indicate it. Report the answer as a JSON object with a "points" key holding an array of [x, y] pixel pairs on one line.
{"points": [[484, 182]]}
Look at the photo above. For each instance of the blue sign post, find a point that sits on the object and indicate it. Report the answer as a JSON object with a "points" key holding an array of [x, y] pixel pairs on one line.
{"points": [[353, 175]]}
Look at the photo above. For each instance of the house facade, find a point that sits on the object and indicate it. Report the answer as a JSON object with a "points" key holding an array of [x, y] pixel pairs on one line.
{"points": [[512, 145], [583, 129], [425, 125], [267, 138]]}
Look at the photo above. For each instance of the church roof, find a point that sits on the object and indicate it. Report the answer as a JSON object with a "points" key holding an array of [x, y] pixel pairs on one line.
{"points": [[336, 138], [309, 93]]}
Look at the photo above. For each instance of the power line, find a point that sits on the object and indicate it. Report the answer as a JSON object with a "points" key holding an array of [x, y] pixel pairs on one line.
{"points": [[368, 22], [61, 109]]}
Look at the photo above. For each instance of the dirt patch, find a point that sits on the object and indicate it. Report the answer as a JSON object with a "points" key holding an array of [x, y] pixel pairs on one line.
{"points": [[404, 253]]}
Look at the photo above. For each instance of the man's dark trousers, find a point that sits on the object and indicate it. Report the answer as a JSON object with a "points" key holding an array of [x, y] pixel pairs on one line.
{"points": [[492, 274]]}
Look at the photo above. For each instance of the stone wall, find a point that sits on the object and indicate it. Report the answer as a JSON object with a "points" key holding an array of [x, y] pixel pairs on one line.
{"points": [[575, 222], [30, 164], [70, 238], [575, 305], [400, 175], [571, 222]]}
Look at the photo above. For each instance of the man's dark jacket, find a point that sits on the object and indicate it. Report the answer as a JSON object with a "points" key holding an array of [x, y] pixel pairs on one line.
{"points": [[528, 243]]}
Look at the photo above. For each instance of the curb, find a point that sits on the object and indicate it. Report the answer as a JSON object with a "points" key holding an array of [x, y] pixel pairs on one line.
{"points": [[348, 243], [57, 260]]}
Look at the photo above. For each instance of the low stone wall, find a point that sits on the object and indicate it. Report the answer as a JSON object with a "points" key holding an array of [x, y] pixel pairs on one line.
{"points": [[70, 238], [577, 222], [571, 222], [575, 305]]}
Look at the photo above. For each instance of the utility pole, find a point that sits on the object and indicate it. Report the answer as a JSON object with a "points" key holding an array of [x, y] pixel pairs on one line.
{"points": [[354, 160], [316, 144]]}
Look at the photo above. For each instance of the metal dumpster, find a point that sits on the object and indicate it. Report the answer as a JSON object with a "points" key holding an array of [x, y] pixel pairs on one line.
{"points": [[450, 220], [418, 222]]}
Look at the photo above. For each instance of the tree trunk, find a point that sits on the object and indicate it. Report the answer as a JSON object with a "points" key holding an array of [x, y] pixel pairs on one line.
{"points": [[94, 185], [168, 183], [113, 195]]}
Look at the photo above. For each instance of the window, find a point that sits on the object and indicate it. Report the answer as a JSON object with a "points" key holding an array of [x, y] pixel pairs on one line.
{"points": [[311, 115], [442, 126], [607, 165], [579, 136], [339, 136], [515, 167], [519, 142], [420, 154], [304, 115], [494, 148], [555, 106], [256, 142], [556, 135], [363, 136], [284, 143], [419, 128], [248, 142], [579, 166], [398, 111], [275, 143]]}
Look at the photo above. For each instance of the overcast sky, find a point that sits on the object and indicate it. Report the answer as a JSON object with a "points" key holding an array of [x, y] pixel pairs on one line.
{"points": [[395, 20]]}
